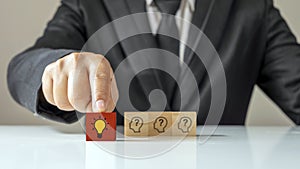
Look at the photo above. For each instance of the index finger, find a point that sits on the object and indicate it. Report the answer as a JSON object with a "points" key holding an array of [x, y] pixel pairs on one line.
{"points": [[102, 82]]}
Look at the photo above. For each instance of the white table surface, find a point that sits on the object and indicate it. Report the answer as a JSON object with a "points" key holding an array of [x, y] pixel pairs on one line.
{"points": [[43, 147]]}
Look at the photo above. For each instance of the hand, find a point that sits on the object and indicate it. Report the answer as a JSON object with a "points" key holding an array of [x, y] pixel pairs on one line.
{"points": [[80, 81]]}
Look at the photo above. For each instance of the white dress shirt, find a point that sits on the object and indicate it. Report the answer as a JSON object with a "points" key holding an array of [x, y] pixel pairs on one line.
{"points": [[185, 12]]}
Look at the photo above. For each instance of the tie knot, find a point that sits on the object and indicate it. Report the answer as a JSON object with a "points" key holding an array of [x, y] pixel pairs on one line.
{"points": [[168, 6]]}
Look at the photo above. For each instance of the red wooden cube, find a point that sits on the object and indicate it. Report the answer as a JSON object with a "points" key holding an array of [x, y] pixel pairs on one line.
{"points": [[100, 126]]}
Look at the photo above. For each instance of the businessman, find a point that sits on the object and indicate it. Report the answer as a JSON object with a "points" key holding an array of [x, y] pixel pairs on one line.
{"points": [[54, 80]]}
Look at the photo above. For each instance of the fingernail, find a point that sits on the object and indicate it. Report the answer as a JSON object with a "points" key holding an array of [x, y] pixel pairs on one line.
{"points": [[100, 105]]}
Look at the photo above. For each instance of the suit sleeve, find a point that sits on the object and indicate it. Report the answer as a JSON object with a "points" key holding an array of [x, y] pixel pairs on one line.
{"points": [[280, 73], [64, 34]]}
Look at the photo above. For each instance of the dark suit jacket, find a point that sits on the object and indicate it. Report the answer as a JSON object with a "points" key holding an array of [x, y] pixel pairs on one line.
{"points": [[254, 43]]}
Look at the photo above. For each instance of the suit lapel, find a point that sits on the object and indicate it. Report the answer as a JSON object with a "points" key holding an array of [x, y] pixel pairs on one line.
{"points": [[211, 23], [210, 17], [139, 6], [120, 8], [199, 19]]}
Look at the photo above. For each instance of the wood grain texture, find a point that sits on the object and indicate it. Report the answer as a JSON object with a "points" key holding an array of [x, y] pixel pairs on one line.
{"points": [[160, 123]]}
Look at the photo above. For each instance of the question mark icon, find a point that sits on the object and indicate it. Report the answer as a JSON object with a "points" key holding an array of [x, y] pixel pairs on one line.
{"points": [[185, 124], [161, 121], [137, 121], [160, 124], [185, 121], [136, 124]]}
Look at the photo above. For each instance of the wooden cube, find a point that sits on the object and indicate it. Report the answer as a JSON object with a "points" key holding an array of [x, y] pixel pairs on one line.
{"points": [[184, 123], [160, 123], [100, 126], [136, 123]]}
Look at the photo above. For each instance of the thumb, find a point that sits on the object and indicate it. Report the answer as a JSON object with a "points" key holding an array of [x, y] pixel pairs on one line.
{"points": [[102, 82]]}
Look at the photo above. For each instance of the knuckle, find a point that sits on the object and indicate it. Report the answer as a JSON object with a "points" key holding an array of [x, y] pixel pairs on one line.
{"points": [[76, 100], [75, 56], [103, 72], [101, 93], [80, 103], [44, 79], [48, 69], [64, 105], [99, 56], [75, 59], [105, 62], [103, 76], [60, 65], [46, 94], [46, 88], [47, 97]]}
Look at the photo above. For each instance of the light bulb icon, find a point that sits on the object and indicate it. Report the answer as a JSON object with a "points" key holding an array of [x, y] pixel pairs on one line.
{"points": [[160, 124], [99, 125]]}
